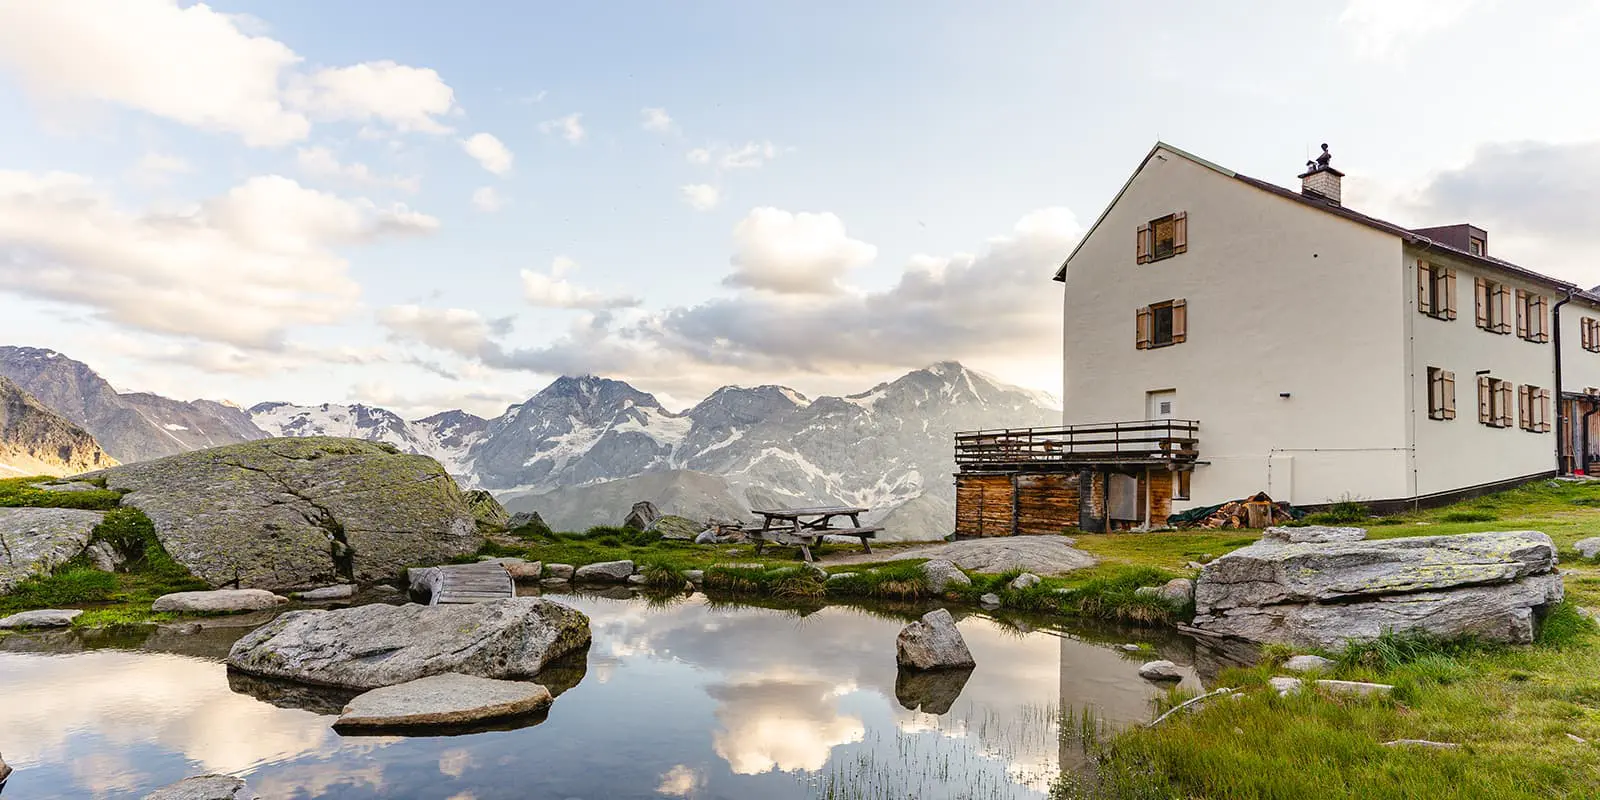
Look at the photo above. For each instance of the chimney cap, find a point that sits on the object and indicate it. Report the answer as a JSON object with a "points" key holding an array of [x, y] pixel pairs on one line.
{"points": [[1322, 163]]}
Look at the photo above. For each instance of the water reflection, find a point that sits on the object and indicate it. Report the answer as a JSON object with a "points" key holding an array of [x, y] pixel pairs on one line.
{"points": [[684, 699]]}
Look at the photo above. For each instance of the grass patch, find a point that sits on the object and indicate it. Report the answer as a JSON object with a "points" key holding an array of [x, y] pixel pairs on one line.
{"points": [[1469, 515], [896, 580], [148, 572], [19, 492]]}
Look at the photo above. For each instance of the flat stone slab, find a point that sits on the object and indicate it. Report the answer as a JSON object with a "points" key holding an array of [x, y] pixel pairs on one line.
{"points": [[440, 700], [343, 591], [41, 618], [1355, 688], [1307, 664], [604, 572], [201, 787], [34, 541], [217, 601], [1315, 534], [1041, 555]]}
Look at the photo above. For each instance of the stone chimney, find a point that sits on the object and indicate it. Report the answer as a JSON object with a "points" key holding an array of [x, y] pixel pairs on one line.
{"points": [[1320, 180]]}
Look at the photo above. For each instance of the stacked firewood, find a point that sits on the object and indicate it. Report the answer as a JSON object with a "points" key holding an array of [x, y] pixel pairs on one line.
{"points": [[1254, 512]]}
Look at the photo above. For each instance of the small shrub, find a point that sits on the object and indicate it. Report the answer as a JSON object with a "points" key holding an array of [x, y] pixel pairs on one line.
{"points": [[1469, 515], [1343, 512], [661, 576], [1394, 650]]}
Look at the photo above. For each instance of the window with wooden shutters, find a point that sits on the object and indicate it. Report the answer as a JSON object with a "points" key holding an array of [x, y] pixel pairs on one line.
{"points": [[1436, 290], [1162, 237], [1532, 315], [1441, 394], [1591, 334], [1494, 402], [1525, 393], [1542, 411], [1162, 324], [1533, 409], [1492, 303], [1180, 484]]}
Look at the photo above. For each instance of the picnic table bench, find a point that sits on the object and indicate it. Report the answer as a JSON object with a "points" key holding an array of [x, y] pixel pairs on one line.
{"points": [[805, 527]]}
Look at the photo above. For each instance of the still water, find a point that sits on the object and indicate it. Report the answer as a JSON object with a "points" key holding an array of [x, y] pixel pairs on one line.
{"points": [[684, 698]]}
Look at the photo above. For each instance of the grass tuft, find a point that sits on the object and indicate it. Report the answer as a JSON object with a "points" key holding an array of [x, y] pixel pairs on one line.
{"points": [[19, 492]]}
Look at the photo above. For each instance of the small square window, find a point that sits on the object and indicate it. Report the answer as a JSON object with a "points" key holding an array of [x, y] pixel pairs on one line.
{"points": [[1163, 235], [1476, 245]]}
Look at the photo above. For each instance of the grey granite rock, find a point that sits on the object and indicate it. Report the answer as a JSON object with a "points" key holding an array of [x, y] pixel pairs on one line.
{"points": [[694, 576], [34, 541], [201, 787], [1488, 585], [341, 591], [990, 600], [559, 571], [942, 573], [672, 526], [279, 513], [217, 601], [1160, 671], [486, 510], [1284, 685], [932, 642], [1588, 548], [1313, 534], [380, 645], [1355, 688], [439, 700], [642, 516], [1305, 663], [41, 618], [604, 572], [1026, 580], [841, 576]]}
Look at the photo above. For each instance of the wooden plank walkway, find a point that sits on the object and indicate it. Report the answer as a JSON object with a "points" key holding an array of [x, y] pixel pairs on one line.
{"points": [[473, 583]]}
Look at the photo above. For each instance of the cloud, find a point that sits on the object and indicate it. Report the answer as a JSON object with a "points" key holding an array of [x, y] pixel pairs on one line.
{"points": [[803, 253], [553, 290], [240, 269], [320, 162], [192, 65], [702, 196], [409, 98], [157, 168], [656, 120], [780, 724], [570, 127], [487, 200], [489, 151], [1384, 29], [456, 330], [747, 156]]}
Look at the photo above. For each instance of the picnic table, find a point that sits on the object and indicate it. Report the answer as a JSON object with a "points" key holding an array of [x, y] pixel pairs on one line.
{"points": [[805, 527]]}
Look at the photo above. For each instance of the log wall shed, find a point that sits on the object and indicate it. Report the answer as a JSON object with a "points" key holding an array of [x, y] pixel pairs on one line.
{"points": [[1116, 476]]}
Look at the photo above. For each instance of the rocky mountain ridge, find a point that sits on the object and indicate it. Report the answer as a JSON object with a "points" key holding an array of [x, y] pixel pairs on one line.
{"points": [[35, 440]]}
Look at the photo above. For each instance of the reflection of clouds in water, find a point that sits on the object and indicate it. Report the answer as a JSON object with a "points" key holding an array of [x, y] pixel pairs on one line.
{"points": [[132, 698], [680, 781], [788, 725], [316, 778], [106, 774], [454, 762]]}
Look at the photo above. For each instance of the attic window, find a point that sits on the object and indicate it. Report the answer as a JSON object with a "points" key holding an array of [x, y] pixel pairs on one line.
{"points": [[1476, 246], [1163, 237]]}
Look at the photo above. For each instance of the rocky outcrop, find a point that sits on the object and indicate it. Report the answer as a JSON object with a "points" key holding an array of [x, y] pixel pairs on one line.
{"points": [[672, 526], [642, 516], [202, 787], [35, 440], [449, 699], [1492, 586], [487, 510], [933, 642], [285, 513], [34, 541], [369, 646], [219, 601]]}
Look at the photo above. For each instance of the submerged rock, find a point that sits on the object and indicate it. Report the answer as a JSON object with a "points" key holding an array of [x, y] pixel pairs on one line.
{"points": [[201, 787], [34, 541], [217, 601], [942, 573], [932, 642], [280, 513], [604, 572], [1488, 585], [380, 645], [441, 700], [41, 618]]}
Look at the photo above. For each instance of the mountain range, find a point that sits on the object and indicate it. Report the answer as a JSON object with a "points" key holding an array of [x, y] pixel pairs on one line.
{"points": [[35, 440], [584, 448]]}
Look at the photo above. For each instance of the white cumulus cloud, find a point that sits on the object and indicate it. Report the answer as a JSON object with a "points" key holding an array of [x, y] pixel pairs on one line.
{"points": [[789, 253], [702, 196], [489, 151], [656, 120], [570, 127], [320, 162], [409, 98], [553, 290]]}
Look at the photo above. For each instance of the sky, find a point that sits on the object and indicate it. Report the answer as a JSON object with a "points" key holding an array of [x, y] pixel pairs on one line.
{"points": [[427, 206]]}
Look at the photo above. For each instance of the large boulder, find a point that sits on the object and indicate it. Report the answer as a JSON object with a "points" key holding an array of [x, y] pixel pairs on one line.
{"points": [[442, 700], [380, 645], [34, 541], [487, 510], [642, 516], [604, 572], [933, 642], [217, 601], [1588, 548], [41, 618], [1492, 586], [295, 512], [675, 527], [942, 573]]}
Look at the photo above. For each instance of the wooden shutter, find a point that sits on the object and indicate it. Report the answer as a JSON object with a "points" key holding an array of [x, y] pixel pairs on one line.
{"points": [[1485, 399], [1180, 320], [1180, 232], [1448, 381], [1481, 296], [1449, 299], [1502, 298], [1524, 325], [1525, 395], [1141, 322], [1142, 250], [1435, 393], [1587, 330], [1424, 287], [1503, 402], [1541, 318], [1544, 410]]}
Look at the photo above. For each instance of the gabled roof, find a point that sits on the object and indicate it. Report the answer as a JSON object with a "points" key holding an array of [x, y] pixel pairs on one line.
{"points": [[1407, 235]]}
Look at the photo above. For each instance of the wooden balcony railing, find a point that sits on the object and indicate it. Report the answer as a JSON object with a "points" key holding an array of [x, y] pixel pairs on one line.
{"points": [[1144, 441]]}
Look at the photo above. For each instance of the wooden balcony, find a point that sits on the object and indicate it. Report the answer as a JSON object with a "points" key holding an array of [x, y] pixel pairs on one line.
{"points": [[1173, 442]]}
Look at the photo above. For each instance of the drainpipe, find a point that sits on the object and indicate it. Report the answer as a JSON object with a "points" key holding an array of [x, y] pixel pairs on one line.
{"points": [[1563, 425]]}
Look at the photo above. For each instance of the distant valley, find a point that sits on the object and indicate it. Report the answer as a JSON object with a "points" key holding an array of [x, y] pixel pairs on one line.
{"points": [[583, 449]]}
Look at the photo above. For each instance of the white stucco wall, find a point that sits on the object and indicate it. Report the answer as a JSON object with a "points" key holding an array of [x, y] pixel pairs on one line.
{"points": [[1463, 452], [1580, 369], [1281, 298]]}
